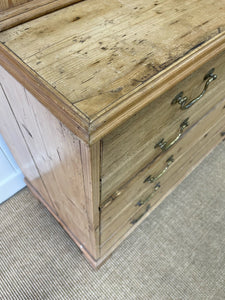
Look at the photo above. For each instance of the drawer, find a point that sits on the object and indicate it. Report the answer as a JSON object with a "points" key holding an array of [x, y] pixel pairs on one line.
{"points": [[132, 145], [185, 166], [119, 211]]}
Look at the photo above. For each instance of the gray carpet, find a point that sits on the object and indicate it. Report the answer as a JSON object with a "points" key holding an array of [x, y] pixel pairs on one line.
{"points": [[178, 253]]}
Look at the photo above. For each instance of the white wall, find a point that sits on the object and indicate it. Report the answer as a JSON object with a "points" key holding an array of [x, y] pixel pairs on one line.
{"points": [[11, 178]]}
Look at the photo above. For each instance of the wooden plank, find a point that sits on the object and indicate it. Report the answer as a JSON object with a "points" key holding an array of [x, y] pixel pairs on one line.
{"points": [[32, 9], [62, 160], [189, 162], [61, 42], [4, 5], [127, 106], [124, 206], [105, 62], [91, 177], [48, 96], [58, 54], [7, 4], [132, 145], [94, 263], [14, 138]]}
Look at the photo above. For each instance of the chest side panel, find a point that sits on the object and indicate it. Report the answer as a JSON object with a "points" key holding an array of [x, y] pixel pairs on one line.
{"points": [[63, 163]]}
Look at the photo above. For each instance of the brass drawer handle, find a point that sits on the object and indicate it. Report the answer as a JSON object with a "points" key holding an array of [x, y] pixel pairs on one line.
{"points": [[182, 100], [136, 220], [164, 146], [142, 202], [151, 178]]}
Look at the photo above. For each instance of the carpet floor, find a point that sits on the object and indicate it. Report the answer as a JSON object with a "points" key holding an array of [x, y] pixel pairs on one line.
{"points": [[177, 253]]}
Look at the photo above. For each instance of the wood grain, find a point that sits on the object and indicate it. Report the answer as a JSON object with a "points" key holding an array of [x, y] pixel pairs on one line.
{"points": [[63, 163], [13, 136], [47, 95], [94, 263], [124, 206], [7, 4], [91, 176], [187, 164], [31, 9], [130, 146], [106, 46], [89, 96], [127, 106]]}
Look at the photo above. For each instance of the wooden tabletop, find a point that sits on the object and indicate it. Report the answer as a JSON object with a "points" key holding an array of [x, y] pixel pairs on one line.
{"points": [[98, 54]]}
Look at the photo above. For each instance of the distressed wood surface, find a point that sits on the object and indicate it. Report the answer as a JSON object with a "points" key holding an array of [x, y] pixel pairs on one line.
{"points": [[130, 146], [45, 93], [28, 10], [7, 4], [95, 65], [13, 136], [184, 166], [63, 163], [124, 206], [94, 263], [103, 51]]}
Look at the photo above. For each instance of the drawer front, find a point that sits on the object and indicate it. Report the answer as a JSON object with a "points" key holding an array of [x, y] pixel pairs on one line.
{"points": [[138, 192], [200, 149], [186, 164], [132, 145]]}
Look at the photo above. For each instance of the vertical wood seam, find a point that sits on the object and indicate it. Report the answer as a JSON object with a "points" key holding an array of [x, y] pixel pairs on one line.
{"points": [[86, 159], [10, 3], [96, 148], [84, 186], [100, 193], [26, 144], [52, 202]]}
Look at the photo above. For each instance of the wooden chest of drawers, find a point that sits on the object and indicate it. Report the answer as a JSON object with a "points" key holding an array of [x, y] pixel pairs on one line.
{"points": [[108, 105]]}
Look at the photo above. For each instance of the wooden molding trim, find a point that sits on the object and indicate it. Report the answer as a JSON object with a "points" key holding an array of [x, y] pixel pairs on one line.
{"points": [[91, 131], [133, 102], [45, 93], [30, 10]]}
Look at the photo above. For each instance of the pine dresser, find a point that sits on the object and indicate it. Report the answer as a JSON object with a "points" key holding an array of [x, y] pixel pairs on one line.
{"points": [[108, 105]]}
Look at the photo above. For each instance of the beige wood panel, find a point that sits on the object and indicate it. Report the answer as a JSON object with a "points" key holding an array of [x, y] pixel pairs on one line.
{"points": [[94, 65], [90, 157], [190, 160], [31, 9], [130, 146], [4, 4], [103, 50], [124, 205], [7, 4], [13, 136], [63, 162], [42, 91]]}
